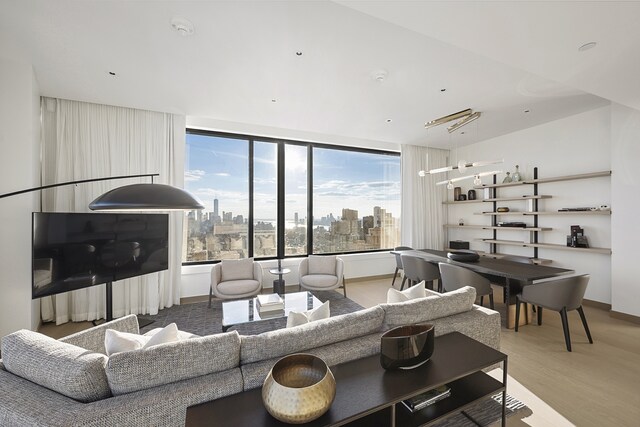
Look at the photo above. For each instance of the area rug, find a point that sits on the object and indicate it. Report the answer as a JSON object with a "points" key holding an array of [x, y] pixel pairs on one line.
{"points": [[487, 412], [201, 320]]}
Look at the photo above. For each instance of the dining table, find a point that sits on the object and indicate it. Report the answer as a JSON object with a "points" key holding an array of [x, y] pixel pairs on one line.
{"points": [[511, 275]]}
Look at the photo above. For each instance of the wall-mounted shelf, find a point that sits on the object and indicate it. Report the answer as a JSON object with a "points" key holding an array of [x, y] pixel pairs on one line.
{"points": [[489, 227], [546, 213], [532, 212], [507, 199], [463, 201], [547, 180], [546, 245]]}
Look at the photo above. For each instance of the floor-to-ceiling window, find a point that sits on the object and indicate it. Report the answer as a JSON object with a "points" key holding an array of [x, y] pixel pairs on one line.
{"points": [[269, 198]]}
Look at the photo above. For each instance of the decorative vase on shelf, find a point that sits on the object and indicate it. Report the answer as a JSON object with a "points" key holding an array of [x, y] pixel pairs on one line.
{"points": [[516, 175], [507, 178]]}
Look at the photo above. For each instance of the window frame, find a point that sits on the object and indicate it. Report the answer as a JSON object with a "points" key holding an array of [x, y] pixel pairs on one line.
{"points": [[280, 176]]}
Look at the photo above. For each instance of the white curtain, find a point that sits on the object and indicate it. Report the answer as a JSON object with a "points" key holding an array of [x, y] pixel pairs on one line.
{"points": [[83, 141], [422, 210]]}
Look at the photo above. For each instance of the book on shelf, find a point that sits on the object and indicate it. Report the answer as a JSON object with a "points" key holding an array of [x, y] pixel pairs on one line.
{"points": [[269, 302], [427, 398]]}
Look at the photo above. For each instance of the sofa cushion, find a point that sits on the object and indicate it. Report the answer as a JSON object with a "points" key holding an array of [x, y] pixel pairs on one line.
{"points": [[425, 309], [412, 292], [237, 269], [117, 342], [67, 369], [93, 338], [323, 332], [167, 363], [322, 264], [296, 318], [319, 280]]}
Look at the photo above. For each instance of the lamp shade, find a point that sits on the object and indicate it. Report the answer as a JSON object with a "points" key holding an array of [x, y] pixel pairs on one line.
{"points": [[146, 197]]}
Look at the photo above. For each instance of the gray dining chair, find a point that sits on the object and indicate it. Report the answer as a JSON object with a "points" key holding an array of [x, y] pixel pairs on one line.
{"points": [[561, 295], [399, 264], [417, 269], [455, 277]]}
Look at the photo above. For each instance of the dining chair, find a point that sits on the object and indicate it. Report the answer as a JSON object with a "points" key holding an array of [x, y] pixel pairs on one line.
{"points": [[455, 277], [417, 269], [399, 264], [561, 295]]}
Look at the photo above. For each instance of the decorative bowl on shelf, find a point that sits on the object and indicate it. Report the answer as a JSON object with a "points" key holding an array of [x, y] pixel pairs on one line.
{"points": [[298, 389], [406, 347], [463, 255]]}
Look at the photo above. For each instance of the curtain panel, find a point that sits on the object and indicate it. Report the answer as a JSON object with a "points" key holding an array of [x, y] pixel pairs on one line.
{"points": [[423, 214], [82, 141]]}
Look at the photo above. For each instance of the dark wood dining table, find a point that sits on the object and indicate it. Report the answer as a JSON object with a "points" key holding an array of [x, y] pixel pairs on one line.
{"points": [[511, 275]]}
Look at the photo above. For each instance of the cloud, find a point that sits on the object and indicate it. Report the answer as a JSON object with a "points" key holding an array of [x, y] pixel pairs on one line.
{"points": [[222, 174], [193, 175]]}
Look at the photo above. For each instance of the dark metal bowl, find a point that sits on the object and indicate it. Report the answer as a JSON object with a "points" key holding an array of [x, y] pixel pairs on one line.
{"points": [[406, 347], [463, 255]]}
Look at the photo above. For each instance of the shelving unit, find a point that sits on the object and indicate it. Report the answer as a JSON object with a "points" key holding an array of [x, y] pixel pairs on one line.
{"points": [[533, 212]]}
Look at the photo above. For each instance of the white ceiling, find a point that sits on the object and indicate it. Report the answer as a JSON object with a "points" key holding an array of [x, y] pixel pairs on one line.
{"points": [[243, 55]]}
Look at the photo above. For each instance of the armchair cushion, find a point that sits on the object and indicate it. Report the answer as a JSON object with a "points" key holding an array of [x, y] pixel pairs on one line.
{"points": [[319, 280], [237, 287], [65, 368], [239, 269], [322, 265]]}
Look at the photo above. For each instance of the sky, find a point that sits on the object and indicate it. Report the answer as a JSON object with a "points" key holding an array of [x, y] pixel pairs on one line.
{"points": [[217, 167]]}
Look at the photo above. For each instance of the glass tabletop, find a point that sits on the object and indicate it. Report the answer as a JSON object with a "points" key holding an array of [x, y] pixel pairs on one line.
{"points": [[244, 311]]}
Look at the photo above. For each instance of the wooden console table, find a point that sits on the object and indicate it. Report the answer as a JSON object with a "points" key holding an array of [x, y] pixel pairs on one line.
{"points": [[368, 395]]}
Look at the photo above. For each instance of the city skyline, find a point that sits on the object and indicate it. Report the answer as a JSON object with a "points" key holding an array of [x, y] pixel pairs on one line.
{"points": [[217, 168]]}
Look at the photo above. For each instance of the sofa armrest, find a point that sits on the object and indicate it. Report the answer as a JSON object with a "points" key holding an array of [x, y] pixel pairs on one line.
{"points": [[93, 338]]}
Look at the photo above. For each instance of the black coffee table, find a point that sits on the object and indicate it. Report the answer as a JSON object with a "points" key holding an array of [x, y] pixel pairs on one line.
{"points": [[367, 395]]}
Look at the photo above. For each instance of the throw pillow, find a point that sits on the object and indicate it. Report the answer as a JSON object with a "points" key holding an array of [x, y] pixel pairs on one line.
{"points": [[413, 292], [300, 318], [236, 269], [117, 342], [322, 264]]}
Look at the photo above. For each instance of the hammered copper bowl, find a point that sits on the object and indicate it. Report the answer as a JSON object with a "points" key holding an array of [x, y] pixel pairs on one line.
{"points": [[406, 347], [299, 389]]}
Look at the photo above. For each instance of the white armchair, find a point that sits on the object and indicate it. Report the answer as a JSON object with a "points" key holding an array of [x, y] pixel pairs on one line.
{"points": [[233, 279], [322, 273]]}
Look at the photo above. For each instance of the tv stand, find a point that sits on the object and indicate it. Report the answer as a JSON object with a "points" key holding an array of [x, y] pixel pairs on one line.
{"points": [[142, 321]]}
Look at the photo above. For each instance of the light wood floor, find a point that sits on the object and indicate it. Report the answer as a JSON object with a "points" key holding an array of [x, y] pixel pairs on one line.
{"points": [[595, 385]]}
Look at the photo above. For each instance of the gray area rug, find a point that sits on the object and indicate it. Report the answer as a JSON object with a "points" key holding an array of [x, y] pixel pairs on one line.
{"points": [[487, 412], [198, 319]]}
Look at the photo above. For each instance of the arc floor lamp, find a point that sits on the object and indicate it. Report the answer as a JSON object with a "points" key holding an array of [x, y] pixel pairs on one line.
{"points": [[137, 197]]}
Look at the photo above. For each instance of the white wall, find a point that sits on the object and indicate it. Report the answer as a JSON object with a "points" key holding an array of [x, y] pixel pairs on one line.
{"points": [[19, 163], [625, 228], [573, 145], [196, 278]]}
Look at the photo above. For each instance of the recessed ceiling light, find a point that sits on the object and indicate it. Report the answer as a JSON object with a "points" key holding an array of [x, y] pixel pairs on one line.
{"points": [[527, 111], [462, 133], [273, 100], [443, 90], [587, 46], [182, 26], [111, 73], [299, 53], [389, 120], [380, 75]]}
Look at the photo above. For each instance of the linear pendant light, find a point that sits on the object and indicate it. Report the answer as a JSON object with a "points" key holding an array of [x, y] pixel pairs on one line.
{"points": [[450, 117], [449, 182], [462, 165]]}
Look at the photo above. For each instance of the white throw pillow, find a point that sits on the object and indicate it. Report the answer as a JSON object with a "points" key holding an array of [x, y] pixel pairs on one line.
{"points": [[300, 318], [166, 335], [413, 292], [322, 264], [117, 342], [237, 269]]}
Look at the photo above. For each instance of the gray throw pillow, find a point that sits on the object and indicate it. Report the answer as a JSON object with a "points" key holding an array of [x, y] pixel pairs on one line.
{"points": [[237, 269], [67, 369], [325, 264]]}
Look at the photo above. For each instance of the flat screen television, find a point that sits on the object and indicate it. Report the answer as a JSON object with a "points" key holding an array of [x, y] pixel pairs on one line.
{"points": [[76, 250]]}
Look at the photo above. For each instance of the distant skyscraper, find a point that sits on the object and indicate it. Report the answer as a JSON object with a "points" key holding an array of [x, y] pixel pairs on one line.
{"points": [[295, 218], [215, 208]]}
